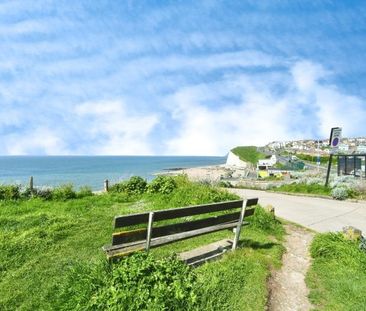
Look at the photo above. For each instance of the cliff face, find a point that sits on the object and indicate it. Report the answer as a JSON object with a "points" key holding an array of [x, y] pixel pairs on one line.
{"points": [[234, 160]]}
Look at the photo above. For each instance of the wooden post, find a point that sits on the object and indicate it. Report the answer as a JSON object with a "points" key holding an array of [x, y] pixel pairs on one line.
{"points": [[238, 227], [328, 170], [149, 230], [106, 185], [31, 184]]}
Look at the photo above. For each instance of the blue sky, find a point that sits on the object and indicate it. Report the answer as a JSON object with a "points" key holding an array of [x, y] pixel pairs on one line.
{"points": [[177, 77]]}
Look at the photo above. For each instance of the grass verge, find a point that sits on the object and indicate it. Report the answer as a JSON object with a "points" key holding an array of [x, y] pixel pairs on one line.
{"points": [[304, 188], [337, 277]]}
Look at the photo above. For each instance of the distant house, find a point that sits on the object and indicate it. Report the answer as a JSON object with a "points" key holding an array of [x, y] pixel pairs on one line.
{"points": [[343, 147], [266, 164]]}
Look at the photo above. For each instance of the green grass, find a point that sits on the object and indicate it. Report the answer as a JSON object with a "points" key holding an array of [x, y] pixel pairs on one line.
{"points": [[304, 188], [248, 154], [44, 243], [313, 158], [337, 277]]}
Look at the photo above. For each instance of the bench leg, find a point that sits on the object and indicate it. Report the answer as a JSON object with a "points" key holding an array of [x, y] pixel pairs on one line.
{"points": [[238, 227], [149, 230]]}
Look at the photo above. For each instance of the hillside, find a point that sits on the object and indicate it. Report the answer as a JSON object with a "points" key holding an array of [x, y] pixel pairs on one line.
{"points": [[248, 154]]}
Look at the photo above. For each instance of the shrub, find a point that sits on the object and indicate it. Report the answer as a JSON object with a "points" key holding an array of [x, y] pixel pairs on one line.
{"points": [[9, 192], [225, 184], [119, 187], [44, 193], [339, 193], [63, 192], [135, 185], [265, 221], [162, 184], [84, 191], [26, 193], [314, 181], [137, 282]]}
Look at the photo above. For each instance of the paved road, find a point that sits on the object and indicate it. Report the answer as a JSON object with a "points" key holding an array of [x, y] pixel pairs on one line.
{"points": [[315, 213]]}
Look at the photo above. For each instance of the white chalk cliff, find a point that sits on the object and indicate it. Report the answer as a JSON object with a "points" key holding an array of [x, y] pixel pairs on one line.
{"points": [[234, 160]]}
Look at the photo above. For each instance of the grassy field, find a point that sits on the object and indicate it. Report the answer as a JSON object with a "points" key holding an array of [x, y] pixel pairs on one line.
{"points": [[51, 257], [248, 154], [337, 277]]}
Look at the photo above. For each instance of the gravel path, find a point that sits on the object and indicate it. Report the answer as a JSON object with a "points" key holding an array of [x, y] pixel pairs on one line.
{"points": [[288, 291]]}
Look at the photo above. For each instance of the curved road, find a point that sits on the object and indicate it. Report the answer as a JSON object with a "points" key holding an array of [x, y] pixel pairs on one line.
{"points": [[315, 213]]}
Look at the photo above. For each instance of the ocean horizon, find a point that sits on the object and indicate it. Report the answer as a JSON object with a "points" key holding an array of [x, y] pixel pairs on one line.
{"points": [[91, 171]]}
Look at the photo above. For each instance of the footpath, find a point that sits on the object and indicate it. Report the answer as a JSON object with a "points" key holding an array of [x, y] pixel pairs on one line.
{"points": [[287, 287], [319, 214]]}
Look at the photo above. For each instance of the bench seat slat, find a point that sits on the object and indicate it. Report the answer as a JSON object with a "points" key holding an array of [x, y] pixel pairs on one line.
{"points": [[124, 249], [140, 234], [136, 219]]}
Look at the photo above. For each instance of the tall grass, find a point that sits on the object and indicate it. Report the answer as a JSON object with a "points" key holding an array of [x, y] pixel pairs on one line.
{"points": [[337, 277]]}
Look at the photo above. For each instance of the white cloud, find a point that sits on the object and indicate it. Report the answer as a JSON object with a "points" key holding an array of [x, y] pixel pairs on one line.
{"points": [[307, 107], [35, 141], [111, 129]]}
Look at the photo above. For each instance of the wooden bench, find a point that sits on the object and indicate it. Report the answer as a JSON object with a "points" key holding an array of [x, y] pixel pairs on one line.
{"points": [[129, 241]]}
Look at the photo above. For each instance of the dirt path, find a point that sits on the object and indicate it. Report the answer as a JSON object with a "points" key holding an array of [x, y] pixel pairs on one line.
{"points": [[288, 290]]}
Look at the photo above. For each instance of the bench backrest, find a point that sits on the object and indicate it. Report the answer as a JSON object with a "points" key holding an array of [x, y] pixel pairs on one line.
{"points": [[137, 236]]}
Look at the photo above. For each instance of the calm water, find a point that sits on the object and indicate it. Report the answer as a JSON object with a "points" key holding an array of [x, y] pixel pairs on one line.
{"points": [[91, 170]]}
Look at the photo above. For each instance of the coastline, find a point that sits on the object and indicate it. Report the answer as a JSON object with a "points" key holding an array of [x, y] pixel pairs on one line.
{"points": [[209, 173]]}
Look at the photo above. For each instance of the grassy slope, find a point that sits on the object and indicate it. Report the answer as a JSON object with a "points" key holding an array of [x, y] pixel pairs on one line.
{"points": [[40, 240], [337, 277], [248, 154]]}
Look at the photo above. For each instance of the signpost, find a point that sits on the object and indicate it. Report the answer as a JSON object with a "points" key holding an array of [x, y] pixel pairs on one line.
{"points": [[334, 141], [335, 138]]}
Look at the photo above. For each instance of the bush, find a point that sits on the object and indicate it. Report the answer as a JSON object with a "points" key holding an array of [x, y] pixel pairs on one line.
{"points": [[63, 192], [9, 192], [339, 193], [314, 181], [137, 282], [162, 184], [265, 221], [44, 193], [225, 184], [84, 191], [135, 185]]}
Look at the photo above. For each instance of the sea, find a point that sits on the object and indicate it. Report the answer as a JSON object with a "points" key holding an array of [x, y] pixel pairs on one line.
{"points": [[91, 171]]}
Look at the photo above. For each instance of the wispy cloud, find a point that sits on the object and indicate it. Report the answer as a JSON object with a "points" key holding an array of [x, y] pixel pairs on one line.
{"points": [[193, 78], [306, 108], [110, 129]]}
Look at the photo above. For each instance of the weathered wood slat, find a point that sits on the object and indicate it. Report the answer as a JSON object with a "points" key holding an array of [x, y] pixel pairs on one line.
{"points": [[122, 250], [140, 234], [136, 219]]}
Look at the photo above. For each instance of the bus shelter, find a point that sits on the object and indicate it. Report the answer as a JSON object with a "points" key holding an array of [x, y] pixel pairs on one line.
{"points": [[353, 164]]}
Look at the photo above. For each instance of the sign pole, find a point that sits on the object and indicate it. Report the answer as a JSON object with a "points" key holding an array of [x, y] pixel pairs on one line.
{"points": [[334, 140], [328, 170]]}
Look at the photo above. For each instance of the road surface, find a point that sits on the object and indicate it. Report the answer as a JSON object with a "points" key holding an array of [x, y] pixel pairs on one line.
{"points": [[318, 214]]}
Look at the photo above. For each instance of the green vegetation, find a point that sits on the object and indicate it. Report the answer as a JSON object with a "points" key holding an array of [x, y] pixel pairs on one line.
{"points": [[248, 154], [137, 282], [313, 158], [51, 257], [337, 277], [60, 193], [304, 188]]}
